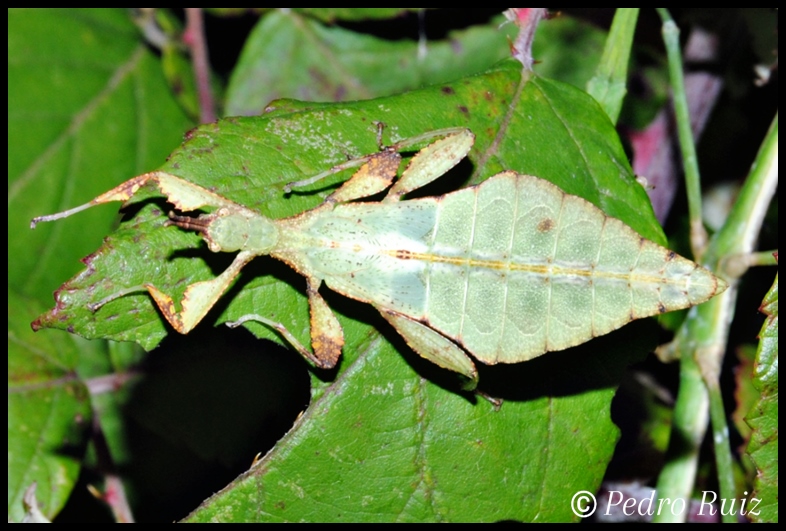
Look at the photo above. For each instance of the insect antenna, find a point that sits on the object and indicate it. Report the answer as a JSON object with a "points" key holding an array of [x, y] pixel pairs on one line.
{"points": [[189, 223]]}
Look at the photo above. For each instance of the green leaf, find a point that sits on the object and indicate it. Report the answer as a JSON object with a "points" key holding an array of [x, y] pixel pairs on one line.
{"points": [[331, 14], [568, 49], [385, 443], [608, 86], [763, 418], [87, 107], [288, 54], [48, 411], [389, 436]]}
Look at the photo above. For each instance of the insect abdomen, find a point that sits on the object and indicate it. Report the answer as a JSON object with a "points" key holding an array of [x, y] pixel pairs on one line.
{"points": [[541, 270], [511, 269]]}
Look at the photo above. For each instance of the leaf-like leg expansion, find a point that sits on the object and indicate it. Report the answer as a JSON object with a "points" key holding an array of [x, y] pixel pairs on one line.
{"points": [[373, 177], [433, 161], [434, 347], [327, 337], [376, 173], [188, 196], [199, 297], [378, 170], [184, 195]]}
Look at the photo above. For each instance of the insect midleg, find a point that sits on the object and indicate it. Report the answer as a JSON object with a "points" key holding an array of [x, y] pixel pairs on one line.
{"points": [[327, 337], [378, 170], [433, 161], [373, 177]]}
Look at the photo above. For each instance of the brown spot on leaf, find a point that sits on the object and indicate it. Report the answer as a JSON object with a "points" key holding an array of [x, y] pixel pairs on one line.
{"points": [[448, 90], [661, 308], [403, 254], [463, 109]]}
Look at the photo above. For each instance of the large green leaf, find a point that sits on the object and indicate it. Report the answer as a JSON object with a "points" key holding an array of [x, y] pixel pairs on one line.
{"points": [[763, 417], [388, 436], [87, 106], [48, 412], [391, 440], [289, 54]]}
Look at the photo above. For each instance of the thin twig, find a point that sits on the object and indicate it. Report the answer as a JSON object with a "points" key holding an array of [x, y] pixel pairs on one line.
{"points": [[527, 19], [194, 38]]}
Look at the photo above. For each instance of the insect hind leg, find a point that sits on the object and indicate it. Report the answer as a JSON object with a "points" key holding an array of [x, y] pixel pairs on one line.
{"points": [[434, 347]]}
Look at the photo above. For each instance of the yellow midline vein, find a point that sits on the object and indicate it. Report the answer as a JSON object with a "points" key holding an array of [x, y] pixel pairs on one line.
{"points": [[546, 270]]}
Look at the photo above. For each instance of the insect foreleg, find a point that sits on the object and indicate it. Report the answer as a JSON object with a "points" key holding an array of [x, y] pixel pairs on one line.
{"points": [[327, 337], [197, 299], [184, 195]]}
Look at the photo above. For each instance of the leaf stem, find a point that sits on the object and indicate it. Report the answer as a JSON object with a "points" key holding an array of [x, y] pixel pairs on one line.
{"points": [[527, 19], [720, 440], [114, 494], [702, 338], [671, 37], [608, 85]]}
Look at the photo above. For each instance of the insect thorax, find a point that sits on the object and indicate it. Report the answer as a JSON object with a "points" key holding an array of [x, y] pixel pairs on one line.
{"points": [[230, 231]]}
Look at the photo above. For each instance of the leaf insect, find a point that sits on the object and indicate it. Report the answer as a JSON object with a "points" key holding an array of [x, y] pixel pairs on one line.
{"points": [[506, 270]]}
